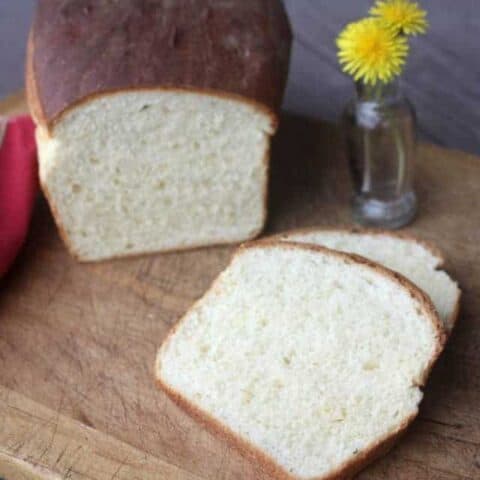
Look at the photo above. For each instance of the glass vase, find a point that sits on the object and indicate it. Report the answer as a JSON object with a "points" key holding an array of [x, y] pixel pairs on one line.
{"points": [[379, 125]]}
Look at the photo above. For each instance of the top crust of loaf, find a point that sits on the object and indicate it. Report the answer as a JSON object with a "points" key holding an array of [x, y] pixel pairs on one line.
{"points": [[79, 49], [268, 464]]}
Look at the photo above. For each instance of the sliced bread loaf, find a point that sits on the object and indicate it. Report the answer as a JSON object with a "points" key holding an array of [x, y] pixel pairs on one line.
{"points": [[154, 119], [413, 258], [309, 360]]}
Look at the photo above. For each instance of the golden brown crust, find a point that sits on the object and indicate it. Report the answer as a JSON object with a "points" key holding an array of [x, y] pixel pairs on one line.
{"points": [[80, 49], [268, 464], [38, 112]]}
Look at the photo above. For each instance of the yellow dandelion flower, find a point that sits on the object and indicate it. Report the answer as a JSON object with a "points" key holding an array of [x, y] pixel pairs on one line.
{"points": [[370, 52], [403, 16]]}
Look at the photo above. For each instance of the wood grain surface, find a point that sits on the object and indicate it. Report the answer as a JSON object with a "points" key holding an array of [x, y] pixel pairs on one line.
{"points": [[78, 341]]}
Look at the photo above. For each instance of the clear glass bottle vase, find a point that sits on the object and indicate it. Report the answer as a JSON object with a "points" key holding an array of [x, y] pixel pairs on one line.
{"points": [[379, 125]]}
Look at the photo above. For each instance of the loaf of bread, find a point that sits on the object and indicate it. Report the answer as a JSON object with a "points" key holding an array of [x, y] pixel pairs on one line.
{"points": [[417, 260], [307, 359], [154, 119]]}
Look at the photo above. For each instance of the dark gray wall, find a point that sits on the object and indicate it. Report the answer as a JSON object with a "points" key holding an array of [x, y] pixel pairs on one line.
{"points": [[15, 17], [442, 78]]}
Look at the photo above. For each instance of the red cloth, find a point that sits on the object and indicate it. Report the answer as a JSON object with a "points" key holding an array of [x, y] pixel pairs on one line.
{"points": [[18, 187]]}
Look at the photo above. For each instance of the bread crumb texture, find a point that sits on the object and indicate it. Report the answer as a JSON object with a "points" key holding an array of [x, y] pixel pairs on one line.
{"points": [[145, 171], [403, 255]]}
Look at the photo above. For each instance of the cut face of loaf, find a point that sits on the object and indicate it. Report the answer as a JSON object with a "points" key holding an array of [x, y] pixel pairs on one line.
{"points": [[154, 119], [147, 171], [308, 359], [408, 256]]}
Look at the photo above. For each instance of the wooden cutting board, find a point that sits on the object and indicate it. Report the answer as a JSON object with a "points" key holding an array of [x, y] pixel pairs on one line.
{"points": [[78, 341]]}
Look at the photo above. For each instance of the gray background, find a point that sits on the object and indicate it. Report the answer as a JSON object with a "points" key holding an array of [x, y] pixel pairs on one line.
{"points": [[442, 78]]}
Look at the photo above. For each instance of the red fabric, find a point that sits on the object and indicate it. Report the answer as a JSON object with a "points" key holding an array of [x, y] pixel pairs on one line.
{"points": [[18, 187]]}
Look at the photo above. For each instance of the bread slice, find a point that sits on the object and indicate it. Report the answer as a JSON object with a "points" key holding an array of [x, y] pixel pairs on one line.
{"points": [[415, 259], [307, 359]]}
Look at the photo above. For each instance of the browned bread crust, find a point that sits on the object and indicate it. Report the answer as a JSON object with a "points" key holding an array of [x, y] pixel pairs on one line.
{"points": [[266, 463], [79, 49]]}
